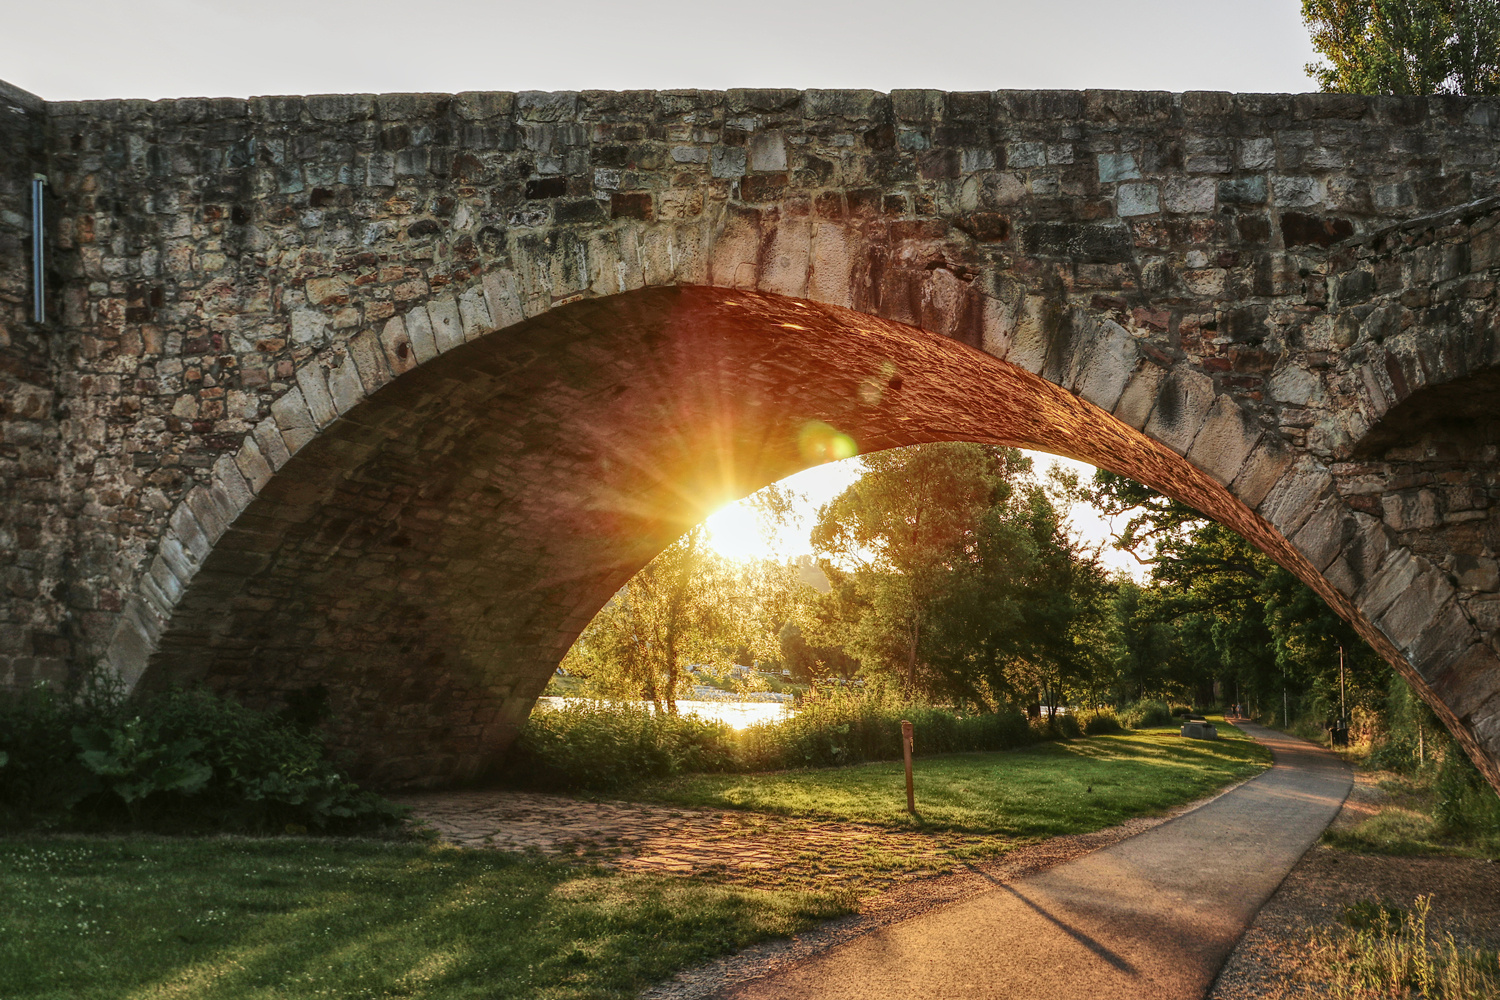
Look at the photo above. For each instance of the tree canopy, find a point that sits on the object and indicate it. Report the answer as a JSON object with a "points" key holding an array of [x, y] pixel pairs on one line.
{"points": [[1405, 46]]}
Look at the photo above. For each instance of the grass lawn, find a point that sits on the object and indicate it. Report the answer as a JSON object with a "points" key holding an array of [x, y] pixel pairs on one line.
{"points": [[1040, 791], [133, 918]]}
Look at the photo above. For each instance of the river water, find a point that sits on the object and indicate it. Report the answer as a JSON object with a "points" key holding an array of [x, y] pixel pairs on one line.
{"points": [[739, 714]]}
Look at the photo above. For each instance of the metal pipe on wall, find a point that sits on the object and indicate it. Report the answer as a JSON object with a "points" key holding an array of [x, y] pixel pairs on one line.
{"points": [[38, 273]]}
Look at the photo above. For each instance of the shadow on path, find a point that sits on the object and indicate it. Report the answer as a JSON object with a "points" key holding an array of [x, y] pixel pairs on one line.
{"points": [[1153, 916]]}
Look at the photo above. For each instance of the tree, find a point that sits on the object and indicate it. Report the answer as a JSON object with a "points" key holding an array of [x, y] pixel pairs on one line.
{"points": [[1405, 46], [1220, 609], [676, 612], [906, 526]]}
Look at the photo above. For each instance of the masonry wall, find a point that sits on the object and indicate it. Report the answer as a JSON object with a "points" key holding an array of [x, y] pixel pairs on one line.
{"points": [[237, 275], [35, 627]]}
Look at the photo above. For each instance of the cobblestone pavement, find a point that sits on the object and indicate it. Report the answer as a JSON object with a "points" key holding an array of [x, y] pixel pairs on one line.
{"points": [[733, 845]]}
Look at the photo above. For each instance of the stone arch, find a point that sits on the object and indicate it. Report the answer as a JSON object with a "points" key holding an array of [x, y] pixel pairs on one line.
{"points": [[429, 517]]}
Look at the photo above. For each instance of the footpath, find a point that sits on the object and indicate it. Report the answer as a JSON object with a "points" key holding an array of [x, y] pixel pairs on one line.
{"points": [[1152, 916]]}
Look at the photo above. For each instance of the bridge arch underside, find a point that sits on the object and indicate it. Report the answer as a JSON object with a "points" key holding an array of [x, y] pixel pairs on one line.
{"points": [[430, 555]]}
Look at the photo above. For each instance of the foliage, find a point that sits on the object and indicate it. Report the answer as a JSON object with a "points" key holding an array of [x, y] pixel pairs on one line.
{"points": [[1387, 952], [953, 579], [1467, 807], [1220, 612], [1100, 722], [1405, 46], [676, 612], [836, 729], [236, 919], [603, 746], [175, 761]]}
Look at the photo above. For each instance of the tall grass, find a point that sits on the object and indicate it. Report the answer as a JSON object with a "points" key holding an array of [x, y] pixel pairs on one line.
{"points": [[603, 746], [1385, 952]]}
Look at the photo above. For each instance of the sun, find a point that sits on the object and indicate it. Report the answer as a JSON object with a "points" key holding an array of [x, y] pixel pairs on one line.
{"points": [[735, 532]]}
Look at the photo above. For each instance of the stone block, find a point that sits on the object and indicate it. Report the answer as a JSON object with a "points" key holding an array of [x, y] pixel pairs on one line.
{"points": [[787, 259], [1225, 441], [369, 360], [1110, 365], [1478, 573], [309, 326], [1137, 199], [1257, 154], [727, 161], [767, 152], [1139, 395], [1263, 468], [1115, 167], [474, 313], [1182, 404], [212, 518], [1189, 195], [834, 250], [397, 346], [541, 106], [1243, 190], [230, 489], [1323, 536], [293, 420], [1297, 191], [253, 465], [1296, 495], [502, 298], [344, 386], [447, 327], [1363, 551], [855, 105], [315, 394], [1396, 574], [1037, 322], [1466, 677]]}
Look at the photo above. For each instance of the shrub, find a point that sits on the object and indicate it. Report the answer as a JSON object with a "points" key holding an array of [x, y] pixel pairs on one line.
{"points": [[1467, 807], [176, 761], [1101, 722], [1145, 714], [1062, 726], [603, 746]]}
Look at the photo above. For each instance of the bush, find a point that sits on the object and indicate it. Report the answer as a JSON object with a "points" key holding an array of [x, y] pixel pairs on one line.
{"points": [[1146, 714], [1467, 807], [1101, 722], [1061, 726], [837, 729], [604, 746], [176, 761]]}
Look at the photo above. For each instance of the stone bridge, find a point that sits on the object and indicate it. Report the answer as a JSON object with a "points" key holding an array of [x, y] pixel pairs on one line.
{"points": [[388, 394]]}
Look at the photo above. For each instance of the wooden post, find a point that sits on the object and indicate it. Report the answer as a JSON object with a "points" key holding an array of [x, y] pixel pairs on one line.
{"points": [[911, 796]]}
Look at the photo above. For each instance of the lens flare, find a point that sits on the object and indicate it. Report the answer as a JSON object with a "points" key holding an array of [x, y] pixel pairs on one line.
{"points": [[820, 442]]}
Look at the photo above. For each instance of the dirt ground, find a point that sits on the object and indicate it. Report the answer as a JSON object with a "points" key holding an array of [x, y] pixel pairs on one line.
{"points": [[1271, 960]]}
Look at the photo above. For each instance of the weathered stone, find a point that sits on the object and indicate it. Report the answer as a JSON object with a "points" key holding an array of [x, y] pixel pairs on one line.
{"points": [[1100, 241], [1138, 199]]}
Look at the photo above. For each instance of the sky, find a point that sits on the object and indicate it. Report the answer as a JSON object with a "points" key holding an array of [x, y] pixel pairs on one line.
{"points": [[82, 49]]}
